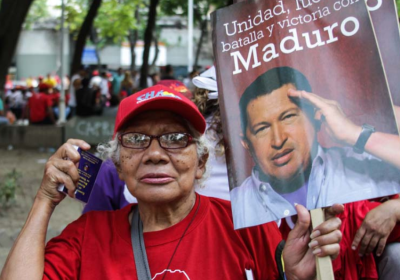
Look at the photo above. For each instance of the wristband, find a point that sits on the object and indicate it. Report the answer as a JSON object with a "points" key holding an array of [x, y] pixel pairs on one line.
{"points": [[366, 132]]}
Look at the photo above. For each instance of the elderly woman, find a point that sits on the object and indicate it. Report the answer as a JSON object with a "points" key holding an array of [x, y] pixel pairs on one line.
{"points": [[159, 151]]}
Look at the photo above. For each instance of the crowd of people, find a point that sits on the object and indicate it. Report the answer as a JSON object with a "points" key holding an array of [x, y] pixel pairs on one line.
{"points": [[36, 100]]}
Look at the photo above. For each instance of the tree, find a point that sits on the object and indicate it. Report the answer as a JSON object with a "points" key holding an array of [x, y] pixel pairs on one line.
{"points": [[117, 21], [200, 15], [148, 37], [12, 17], [37, 12], [132, 39], [113, 22], [84, 32]]}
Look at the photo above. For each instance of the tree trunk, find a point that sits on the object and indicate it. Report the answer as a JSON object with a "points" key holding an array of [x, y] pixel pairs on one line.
{"points": [[133, 37], [83, 34], [97, 51], [12, 17], [148, 36], [156, 50], [200, 43], [95, 41]]}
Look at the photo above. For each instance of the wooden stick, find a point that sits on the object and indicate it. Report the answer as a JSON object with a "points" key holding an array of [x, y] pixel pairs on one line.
{"points": [[324, 264]]}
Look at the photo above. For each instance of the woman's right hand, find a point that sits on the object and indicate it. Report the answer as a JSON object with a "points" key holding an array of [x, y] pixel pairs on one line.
{"points": [[61, 168]]}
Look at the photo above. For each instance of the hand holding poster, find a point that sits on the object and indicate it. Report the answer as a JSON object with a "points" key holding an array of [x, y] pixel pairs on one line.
{"points": [[305, 105]]}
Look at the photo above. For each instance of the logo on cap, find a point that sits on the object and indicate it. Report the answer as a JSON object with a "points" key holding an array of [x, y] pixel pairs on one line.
{"points": [[153, 94]]}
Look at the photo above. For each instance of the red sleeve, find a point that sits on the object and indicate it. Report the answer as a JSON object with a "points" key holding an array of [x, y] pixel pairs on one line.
{"points": [[262, 242], [63, 253], [371, 205], [349, 265]]}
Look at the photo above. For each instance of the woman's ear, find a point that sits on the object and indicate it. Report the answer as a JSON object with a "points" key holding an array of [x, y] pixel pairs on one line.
{"points": [[201, 169]]}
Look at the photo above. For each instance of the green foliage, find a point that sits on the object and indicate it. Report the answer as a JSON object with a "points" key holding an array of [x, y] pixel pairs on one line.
{"points": [[75, 12], [398, 7], [113, 21], [38, 11], [8, 188], [201, 7], [116, 18]]}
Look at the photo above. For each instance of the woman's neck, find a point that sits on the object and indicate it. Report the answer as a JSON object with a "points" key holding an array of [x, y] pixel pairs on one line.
{"points": [[157, 217]]}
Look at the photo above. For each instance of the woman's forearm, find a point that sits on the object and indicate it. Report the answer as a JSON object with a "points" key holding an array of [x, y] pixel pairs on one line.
{"points": [[26, 258]]}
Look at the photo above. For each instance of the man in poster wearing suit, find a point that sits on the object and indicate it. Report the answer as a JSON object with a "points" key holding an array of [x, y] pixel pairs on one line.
{"points": [[280, 118]]}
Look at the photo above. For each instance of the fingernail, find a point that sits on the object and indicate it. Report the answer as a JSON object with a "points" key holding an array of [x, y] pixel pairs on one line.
{"points": [[353, 248], [295, 204], [313, 243], [315, 234], [316, 251]]}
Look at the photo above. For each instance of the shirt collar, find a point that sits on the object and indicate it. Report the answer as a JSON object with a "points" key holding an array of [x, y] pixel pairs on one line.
{"points": [[272, 202], [321, 155], [275, 203]]}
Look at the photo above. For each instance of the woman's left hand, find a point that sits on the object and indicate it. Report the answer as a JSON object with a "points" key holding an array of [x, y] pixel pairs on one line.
{"points": [[301, 248]]}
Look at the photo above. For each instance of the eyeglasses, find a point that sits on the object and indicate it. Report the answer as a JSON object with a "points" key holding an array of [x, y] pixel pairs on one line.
{"points": [[135, 140]]}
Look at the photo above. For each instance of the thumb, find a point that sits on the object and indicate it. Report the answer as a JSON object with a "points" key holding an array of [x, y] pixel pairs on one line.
{"points": [[302, 226], [333, 211]]}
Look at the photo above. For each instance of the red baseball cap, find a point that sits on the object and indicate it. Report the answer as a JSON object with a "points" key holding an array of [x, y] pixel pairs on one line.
{"points": [[159, 97], [176, 85]]}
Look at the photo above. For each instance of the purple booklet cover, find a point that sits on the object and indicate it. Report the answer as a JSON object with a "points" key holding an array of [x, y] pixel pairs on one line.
{"points": [[88, 168]]}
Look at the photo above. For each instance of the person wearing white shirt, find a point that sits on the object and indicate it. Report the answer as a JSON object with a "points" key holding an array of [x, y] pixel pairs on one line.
{"points": [[74, 85]]}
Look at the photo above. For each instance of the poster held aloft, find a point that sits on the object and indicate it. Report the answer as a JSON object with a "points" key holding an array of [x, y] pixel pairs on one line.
{"points": [[301, 83]]}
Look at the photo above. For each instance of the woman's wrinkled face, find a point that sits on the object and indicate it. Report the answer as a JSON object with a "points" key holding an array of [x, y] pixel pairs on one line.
{"points": [[154, 174]]}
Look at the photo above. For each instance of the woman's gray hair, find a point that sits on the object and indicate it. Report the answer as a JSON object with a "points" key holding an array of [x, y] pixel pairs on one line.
{"points": [[111, 150]]}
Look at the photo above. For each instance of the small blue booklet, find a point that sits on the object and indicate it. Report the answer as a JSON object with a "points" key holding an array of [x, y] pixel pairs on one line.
{"points": [[89, 166]]}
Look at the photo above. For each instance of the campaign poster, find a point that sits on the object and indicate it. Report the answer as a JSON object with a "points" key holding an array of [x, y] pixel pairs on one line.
{"points": [[306, 107]]}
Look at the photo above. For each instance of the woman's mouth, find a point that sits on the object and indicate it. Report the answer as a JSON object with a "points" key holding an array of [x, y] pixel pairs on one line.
{"points": [[283, 157], [156, 178]]}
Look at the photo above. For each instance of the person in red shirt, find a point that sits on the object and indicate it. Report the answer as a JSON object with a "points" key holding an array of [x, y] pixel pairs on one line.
{"points": [[160, 151], [40, 107], [55, 97], [378, 236]]}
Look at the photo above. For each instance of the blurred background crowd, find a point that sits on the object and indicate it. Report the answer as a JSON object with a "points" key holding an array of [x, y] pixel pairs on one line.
{"points": [[88, 92]]}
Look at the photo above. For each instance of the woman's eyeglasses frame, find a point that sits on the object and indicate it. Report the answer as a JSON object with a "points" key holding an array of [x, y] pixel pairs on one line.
{"points": [[190, 139]]}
